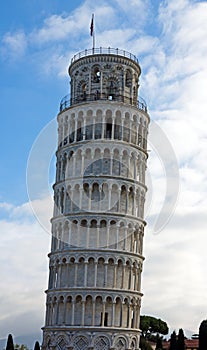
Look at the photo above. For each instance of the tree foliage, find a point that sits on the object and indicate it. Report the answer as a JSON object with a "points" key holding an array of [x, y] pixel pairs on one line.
{"points": [[144, 345], [173, 341], [181, 340], [203, 335], [20, 347], [10, 343], [37, 346], [150, 325], [158, 343]]}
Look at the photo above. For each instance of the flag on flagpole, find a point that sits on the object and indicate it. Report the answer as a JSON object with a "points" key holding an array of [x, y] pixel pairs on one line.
{"points": [[92, 25]]}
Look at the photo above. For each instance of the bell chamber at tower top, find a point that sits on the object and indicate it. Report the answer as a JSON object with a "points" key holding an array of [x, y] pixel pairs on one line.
{"points": [[104, 74]]}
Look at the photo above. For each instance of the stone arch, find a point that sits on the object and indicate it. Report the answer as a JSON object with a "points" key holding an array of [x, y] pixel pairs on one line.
{"points": [[128, 78], [89, 125], [119, 274], [98, 310], [124, 163], [110, 272], [81, 272], [72, 128], [125, 312], [74, 233], [68, 320], [127, 280], [108, 124], [118, 312], [116, 168], [102, 233], [114, 198], [130, 200], [79, 131], [134, 345], [123, 199], [78, 310], [91, 272], [108, 311], [81, 90], [120, 343], [101, 342], [98, 124], [113, 86], [88, 310], [68, 200], [62, 342], [71, 272], [66, 234], [97, 162], [100, 272], [122, 236], [78, 162], [80, 342], [64, 165], [126, 131], [96, 73], [118, 126], [61, 310], [88, 162], [106, 162], [140, 130]]}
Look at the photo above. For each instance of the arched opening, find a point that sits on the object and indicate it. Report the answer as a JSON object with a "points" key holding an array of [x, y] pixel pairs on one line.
{"points": [[88, 311], [118, 312], [108, 311], [78, 311], [91, 273], [68, 320], [100, 273], [98, 310], [96, 74]]}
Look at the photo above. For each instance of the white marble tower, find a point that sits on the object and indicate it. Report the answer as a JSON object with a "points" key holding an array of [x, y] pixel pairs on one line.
{"points": [[94, 292]]}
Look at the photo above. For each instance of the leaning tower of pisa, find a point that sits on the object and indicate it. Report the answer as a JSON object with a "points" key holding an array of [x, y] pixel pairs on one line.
{"points": [[94, 292]]}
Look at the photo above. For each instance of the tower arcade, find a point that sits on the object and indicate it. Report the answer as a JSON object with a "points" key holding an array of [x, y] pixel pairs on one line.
{"points": [[94, 291]]}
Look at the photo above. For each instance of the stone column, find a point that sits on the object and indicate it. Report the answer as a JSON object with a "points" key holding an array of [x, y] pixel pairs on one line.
{"points": [[83, 313], [103, 314], [76, 272], [95, 274], [93, 313], [115, 272], [112, 130], [85, 273], [75, 131], [73, 312], [105, 273]]}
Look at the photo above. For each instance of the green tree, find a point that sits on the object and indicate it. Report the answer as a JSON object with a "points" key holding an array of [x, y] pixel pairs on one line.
{"points": [[159, 343], [150, 325], [20, 347], [37, 346], [10, 343], [203, 335], [173, 341], [181, 340], [144, 345]]}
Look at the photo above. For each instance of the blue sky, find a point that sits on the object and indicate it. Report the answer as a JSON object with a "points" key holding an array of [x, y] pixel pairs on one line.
{"points": [[37, 40]]}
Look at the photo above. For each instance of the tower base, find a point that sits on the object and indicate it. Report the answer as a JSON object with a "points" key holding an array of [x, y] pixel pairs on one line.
{"points": [[90, 339]]}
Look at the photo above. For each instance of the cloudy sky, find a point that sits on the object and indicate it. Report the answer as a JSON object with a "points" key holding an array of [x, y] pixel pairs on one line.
{"points": [[37, 40]]}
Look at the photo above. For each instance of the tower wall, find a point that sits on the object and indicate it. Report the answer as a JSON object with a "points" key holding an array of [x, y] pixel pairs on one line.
{"points": [[94, 292]]}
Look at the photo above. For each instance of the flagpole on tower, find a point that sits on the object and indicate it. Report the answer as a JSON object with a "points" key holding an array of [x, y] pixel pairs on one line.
{"points": [[92, 31]]}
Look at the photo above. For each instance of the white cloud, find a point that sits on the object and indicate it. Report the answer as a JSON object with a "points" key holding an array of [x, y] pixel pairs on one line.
{"points": [[24, 246], [14, 45]]}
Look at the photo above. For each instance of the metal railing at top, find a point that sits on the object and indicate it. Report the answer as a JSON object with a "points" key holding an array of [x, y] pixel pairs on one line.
{"points": [[104, 50], [67, 102]]}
